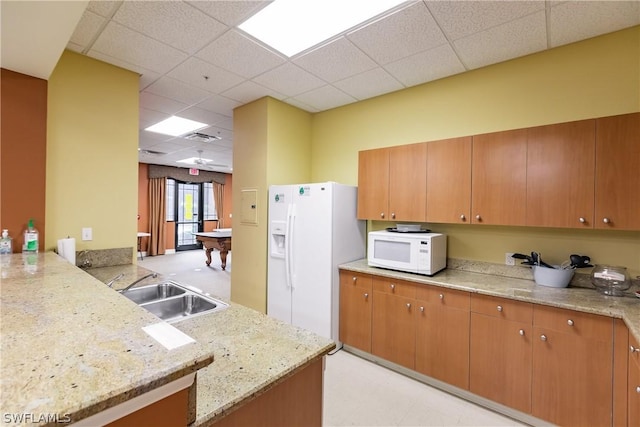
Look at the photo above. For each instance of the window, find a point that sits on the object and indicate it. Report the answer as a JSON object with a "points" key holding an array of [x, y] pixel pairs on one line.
{"points": [[210, 213], [171, 199]]}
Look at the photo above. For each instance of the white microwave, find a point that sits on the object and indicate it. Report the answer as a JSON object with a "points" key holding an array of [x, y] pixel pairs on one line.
{"points": [[421, 253]]}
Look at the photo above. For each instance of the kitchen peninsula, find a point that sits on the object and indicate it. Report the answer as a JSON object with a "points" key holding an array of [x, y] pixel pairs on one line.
{"points": [[73, 348]]}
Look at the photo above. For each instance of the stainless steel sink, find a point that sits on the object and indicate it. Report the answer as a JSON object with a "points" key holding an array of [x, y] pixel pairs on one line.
{"points": [[173, 302], [153, 292]]}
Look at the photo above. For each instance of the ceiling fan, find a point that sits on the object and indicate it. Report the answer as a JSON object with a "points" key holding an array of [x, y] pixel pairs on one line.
{"points": [[204, 163]]}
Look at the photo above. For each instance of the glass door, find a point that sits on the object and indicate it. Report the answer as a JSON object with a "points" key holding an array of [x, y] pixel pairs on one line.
{"points": [[188, 219]]}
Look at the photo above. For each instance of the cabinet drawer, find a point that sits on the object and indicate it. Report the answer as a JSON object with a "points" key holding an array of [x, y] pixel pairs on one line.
{"points": [[395, 287], [360, 280], [446, 297], [507, 309], [584, 325]]}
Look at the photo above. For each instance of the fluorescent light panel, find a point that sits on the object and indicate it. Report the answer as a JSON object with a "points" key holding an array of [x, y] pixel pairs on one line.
{"points": [[192, 160], [291, 26], [176, 126]]}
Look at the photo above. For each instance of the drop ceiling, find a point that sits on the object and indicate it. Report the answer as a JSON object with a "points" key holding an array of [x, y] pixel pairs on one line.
{"points": [[194, 62]]}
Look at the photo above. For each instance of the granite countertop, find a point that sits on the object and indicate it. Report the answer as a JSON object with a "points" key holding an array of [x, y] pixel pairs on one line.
{"points": [[583, 299], [73, 347], [252, 352]]}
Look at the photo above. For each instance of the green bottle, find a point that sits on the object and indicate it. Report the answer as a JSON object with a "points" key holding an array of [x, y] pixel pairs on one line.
{"points": [[30, 239]]}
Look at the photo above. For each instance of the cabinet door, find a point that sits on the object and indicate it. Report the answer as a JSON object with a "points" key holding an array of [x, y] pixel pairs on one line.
{"points": [[442, 335], [572, 368], [449, 180], [560, 175], [373, 184], [393, 329], [408, 182], [499, 178], [634, 382], [355, 310], [618, 172]]}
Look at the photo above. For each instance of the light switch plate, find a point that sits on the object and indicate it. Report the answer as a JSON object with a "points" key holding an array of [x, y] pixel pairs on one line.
{"points": [[87, 233]]}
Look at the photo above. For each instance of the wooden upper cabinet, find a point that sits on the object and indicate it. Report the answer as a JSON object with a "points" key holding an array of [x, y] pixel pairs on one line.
{"points": [[617, 198], [561, 174], [373, 184], [449, 180], [499, 178], [408, 182]]}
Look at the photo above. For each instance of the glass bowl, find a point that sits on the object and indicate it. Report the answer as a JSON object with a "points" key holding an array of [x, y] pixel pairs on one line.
{"points": [[610, 280]]}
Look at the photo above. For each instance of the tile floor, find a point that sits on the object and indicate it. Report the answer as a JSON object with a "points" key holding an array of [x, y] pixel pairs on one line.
{"points": [[357, 392]]}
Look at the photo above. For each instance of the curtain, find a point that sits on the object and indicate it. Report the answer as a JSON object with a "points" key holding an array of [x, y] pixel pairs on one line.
{"points": [[218, 195], [157, 215]]}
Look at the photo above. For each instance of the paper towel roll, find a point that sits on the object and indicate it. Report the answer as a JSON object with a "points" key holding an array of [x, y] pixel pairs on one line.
{"points": [[67, 249]]}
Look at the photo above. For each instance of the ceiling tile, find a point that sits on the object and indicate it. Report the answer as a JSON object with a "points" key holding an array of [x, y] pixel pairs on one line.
{"points": [[405, 32], [147, 139], [512, 40], [328, 62], [74, 47], [301, 105], [325, 98], [369, 84], [250, 91], [202, 115], [289, 79], [240, 55], [134, 48], [146, 76], [573, 21], [226, 124], [462, 18], [167, 147], [219, 104], [426, 66], [172, 22], [103, 7], [87, 29], [174, 89], [160, 103], [148, 117], [194, 70], [230, 13]]}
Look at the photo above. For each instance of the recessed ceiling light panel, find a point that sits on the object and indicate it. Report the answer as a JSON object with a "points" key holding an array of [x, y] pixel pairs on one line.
{"points": [[291, 26], [176, 126]]}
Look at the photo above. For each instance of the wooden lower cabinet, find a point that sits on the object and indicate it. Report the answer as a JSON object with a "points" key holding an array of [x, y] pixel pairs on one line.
{"points": [[633, 385], [355, 310], [442, 335], [500, 349], [393, 327], [572, 367]]}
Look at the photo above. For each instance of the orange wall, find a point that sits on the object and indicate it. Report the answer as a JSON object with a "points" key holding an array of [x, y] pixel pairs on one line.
{"points": [[170, 230], [23, 149]]}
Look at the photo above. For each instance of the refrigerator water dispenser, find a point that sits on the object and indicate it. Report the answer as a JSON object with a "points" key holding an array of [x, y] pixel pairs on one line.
{"points": [[278, 237]]}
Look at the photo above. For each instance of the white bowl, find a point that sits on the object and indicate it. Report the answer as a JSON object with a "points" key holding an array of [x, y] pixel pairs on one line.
{"points": [[552, 277]]}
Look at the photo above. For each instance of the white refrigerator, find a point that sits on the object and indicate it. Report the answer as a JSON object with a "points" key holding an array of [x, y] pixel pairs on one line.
{"points": [[313, 228]]}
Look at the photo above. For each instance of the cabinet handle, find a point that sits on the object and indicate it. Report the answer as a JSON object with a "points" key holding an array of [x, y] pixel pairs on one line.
{"points": [[478, 217], [606, 220], [570, 322], [499, 308], [638, 389], [355, 279], [408, 305], [462, 217], [366, 296], [582, 220], [633, 349], [393, 287], [521, 332], [393, 215], [381, 214], [421, 309], [441, 296], [543, 337]]}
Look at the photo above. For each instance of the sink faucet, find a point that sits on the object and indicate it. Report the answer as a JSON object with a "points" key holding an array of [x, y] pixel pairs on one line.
{"points": [[118, 277], [154, 275]]}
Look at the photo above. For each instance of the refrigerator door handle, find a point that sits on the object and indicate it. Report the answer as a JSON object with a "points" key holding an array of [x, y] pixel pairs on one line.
{"points": [[287, 237], [290, 237]]}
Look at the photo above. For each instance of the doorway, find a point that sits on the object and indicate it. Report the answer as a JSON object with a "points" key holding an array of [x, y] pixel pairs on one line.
{"points": [[189, 214]]}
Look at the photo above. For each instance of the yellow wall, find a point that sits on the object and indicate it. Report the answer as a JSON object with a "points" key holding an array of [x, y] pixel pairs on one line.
{"points": [[92, 161], [271, 146], [593, 78]]}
